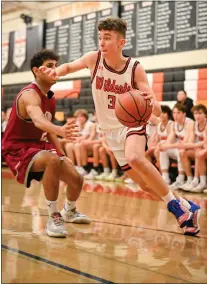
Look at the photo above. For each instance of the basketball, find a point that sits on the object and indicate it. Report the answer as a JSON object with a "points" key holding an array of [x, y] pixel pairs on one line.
{"points": [[132, 110]]}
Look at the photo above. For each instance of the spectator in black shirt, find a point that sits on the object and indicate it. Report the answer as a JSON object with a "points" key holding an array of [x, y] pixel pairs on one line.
{"points": [[187, 102]]}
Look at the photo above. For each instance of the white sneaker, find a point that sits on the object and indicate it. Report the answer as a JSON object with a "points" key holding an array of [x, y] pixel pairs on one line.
{"points": [[102, 176], [82, 171], [199, 188], [55, 227], [205, 190], [190, 186], [74, 216], [129, 181], [93, 173], [186, 184], [177, 184], [111, 177]]}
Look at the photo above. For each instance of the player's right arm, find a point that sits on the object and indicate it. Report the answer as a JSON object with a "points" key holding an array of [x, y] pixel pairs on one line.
{"points": [[30, 102], [88, 60]]}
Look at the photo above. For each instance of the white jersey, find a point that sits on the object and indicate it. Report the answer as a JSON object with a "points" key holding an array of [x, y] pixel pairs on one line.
{"points": [[87, 128], [98, 132], [199, 134], [150, 129], [162, 133], [180, 129], [107, 85]]}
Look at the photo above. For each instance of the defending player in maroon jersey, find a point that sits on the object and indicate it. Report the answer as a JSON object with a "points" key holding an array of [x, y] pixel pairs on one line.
{"points": [[30, 156]]}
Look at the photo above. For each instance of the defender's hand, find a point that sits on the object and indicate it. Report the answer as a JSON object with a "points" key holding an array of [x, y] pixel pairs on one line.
{"points": [[70, 131]]}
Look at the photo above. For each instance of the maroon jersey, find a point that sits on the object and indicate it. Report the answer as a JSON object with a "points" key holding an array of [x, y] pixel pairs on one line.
{"points": [[21, 132]]}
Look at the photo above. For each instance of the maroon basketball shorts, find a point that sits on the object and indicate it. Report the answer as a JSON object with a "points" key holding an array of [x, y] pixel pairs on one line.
{"points": [[115, 138], [20, 160]]}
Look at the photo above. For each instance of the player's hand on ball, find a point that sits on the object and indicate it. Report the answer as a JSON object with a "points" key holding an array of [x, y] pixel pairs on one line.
{"points": [[70, 131], [148, 96], [50, 72]]}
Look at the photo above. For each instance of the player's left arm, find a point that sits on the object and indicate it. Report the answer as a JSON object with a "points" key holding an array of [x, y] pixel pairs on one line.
{"points": [[142, 84], [52, 138]]}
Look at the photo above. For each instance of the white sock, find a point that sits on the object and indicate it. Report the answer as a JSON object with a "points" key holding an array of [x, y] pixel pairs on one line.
{"points": [[51, 206], [181, 177], [114, 171], [185, 202], [165, 176], [203, 180], [106, 170], [195, 180], [190, 178], [69, 205], [168, 197]]}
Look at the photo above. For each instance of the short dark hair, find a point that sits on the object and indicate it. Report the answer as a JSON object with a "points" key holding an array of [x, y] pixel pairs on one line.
{"points": [[113, 24], [200, 107], [167, 109], [180, 107], [39, 57]]}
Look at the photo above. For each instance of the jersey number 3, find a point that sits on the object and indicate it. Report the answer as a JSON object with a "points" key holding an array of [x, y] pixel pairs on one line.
{"points": [[112, 101]]}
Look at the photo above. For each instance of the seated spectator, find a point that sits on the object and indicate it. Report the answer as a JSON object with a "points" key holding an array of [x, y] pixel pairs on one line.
{"points": [[202, 155], [105, 152], [96, 158], [187, 102], [84, 148], [194, 150], [180, 133], [162, 132], [65, 144], [151, 136], [87, 129]]}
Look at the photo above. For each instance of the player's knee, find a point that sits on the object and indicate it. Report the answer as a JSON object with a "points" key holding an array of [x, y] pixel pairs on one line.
{"points": [[135, 160], [95, 146], [77, 145], [52, 159], [182, 153], [101, 150]]}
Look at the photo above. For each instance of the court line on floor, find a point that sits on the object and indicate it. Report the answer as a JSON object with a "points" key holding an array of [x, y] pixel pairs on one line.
{"points": [[67, 268], [118, 224], [135, 266], [101, 280]]}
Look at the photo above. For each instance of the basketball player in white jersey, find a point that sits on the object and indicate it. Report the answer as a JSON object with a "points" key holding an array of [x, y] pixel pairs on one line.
{"points": [[162, 132], [191, 152], [113, 74], [180, 133]]}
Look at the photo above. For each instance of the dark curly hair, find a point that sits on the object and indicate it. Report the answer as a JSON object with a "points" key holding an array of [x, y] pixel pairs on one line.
{"points": [[39, 57]]}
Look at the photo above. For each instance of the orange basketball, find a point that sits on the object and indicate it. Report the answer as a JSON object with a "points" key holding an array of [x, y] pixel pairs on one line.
{"points": [[132, 110]]}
